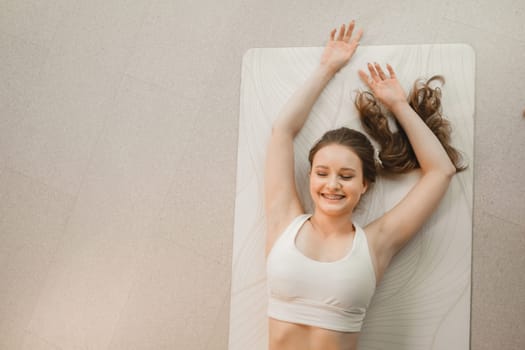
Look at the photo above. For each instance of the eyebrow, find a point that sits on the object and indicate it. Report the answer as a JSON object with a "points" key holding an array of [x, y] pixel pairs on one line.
{"points": [[325, 167]]}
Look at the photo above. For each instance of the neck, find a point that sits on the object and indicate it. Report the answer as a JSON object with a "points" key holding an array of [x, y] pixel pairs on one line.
{"points": [[332, 225]]}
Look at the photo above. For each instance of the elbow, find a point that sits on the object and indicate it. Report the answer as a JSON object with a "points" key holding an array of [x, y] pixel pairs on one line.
{"points": [[276, 127], [277, 130], [446, 168], [280, 129], [449, 171], [445, 172]]}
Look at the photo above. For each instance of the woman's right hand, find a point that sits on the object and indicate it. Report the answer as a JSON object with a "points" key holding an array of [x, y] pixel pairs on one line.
{"points": [[388, 90], [338, 51]]}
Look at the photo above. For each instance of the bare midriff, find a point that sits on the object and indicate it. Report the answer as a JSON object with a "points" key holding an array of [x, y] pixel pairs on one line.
{"points": [[292, 336]]}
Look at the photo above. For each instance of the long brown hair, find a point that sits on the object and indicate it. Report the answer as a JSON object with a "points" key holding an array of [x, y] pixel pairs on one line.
{"points": [[396, 153]]}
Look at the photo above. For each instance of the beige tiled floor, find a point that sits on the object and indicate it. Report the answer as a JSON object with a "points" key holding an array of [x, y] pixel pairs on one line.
{"points": [[118, 131]]}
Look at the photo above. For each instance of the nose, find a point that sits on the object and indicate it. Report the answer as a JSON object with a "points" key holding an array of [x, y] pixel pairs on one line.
{"points": [[333, 182]]}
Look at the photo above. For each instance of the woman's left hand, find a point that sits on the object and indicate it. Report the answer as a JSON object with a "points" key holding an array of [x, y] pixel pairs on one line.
{"points": [[387, 89], [338, 51]]}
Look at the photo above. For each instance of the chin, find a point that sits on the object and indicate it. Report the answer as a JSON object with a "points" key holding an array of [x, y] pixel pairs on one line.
{"points": [[333, 211]]}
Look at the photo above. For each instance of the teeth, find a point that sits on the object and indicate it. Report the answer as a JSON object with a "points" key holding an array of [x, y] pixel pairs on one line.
{"points": [[332, 196]]}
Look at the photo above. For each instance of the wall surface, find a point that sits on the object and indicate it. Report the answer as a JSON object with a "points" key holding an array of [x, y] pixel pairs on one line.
{"points": [[118, 135]]}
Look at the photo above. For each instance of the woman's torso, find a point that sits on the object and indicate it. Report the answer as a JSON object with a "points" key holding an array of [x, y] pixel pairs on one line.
{"points": [[285, 335]]}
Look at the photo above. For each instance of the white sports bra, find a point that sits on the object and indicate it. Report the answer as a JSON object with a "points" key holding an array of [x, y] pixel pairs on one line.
{"points": [[331, 295]]}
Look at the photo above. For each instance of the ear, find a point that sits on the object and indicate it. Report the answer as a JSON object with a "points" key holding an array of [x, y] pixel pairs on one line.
{"points": [[365, 188]]}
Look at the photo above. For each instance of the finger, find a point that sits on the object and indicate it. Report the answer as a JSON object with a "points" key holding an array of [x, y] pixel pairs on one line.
{"points": [[332, 34], [349, 31], [380, 71], [341, 32], [364, 77], [358, 36], [391, 71], [373, 72]]}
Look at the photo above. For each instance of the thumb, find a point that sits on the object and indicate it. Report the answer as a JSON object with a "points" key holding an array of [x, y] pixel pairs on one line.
{"points": [[364, 77]]}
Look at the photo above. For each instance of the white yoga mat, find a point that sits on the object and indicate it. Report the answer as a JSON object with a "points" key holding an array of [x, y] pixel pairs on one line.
{"points": [[423, 301]]}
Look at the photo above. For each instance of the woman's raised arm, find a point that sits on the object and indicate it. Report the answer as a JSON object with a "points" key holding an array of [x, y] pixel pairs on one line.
{"points": [[281, 200], [400, 223]]}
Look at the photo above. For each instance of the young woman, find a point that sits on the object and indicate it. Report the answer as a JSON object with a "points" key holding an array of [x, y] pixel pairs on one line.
{"points": [[322, 268]]}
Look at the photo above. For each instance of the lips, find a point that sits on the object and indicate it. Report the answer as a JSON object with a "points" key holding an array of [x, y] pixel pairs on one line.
{"points": [[332, 196]]}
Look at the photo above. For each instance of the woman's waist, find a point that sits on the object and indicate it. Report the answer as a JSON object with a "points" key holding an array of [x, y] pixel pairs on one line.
{"points": [[285, 335]]}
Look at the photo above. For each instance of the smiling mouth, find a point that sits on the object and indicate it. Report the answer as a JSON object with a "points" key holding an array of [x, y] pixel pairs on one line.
{"points": [[332, 196]]}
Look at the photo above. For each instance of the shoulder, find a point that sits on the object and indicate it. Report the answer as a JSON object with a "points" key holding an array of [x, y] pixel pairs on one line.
{"points": [[273, 233], [297, 219]]}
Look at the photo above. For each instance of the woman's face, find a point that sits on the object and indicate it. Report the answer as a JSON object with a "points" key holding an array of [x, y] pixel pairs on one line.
{"points": [[336, 180]]}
